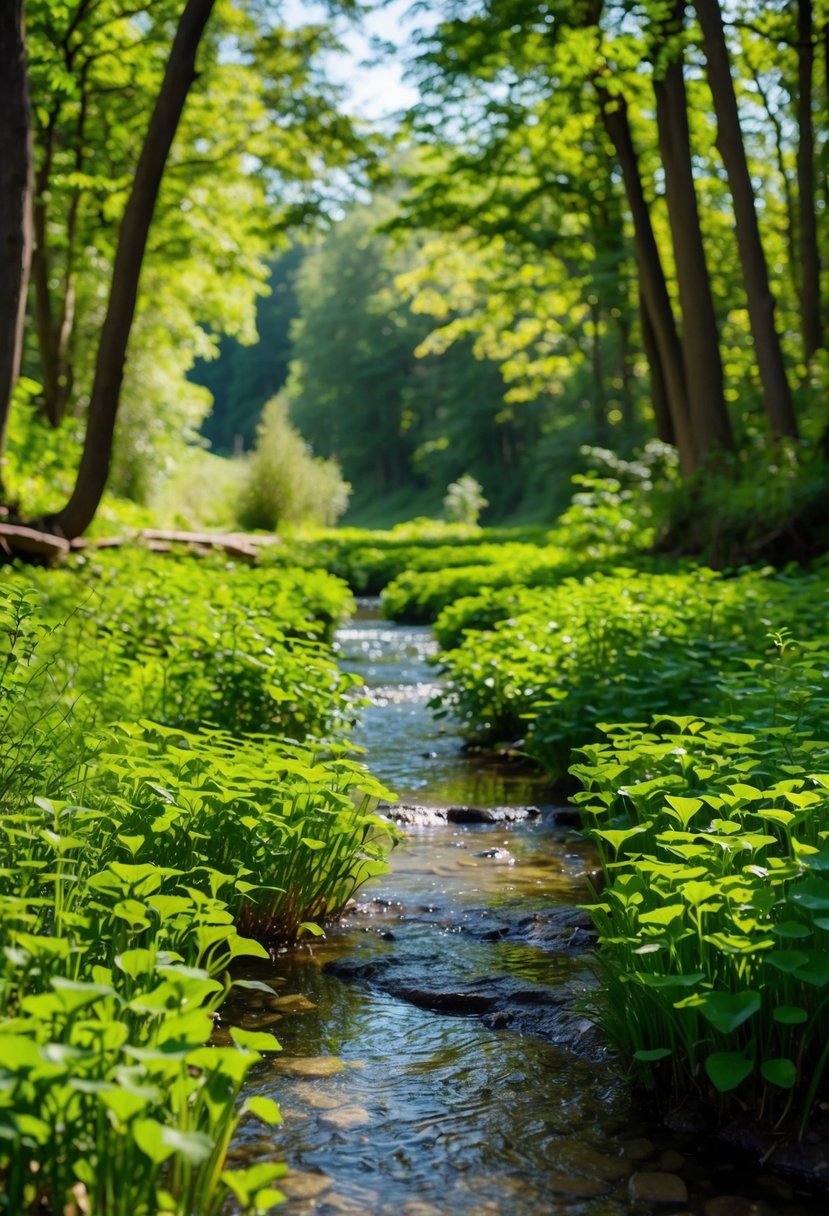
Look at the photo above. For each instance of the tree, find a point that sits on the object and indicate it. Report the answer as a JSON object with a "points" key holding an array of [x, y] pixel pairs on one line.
{"points": [[15, 199], [227, 192], [700, 337], [761, 302], [91, 481], [813, 337]]}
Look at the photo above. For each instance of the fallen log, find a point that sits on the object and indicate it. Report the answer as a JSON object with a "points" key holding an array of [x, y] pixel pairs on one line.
{"points": [[18, 540]]}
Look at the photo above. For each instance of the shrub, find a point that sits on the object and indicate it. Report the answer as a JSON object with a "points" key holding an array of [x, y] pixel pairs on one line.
{"points": [[464, 500], [713, 927], [285, 483]]}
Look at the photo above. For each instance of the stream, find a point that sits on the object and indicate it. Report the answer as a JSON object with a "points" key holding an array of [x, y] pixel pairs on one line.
{"points": [[426, 1069]]}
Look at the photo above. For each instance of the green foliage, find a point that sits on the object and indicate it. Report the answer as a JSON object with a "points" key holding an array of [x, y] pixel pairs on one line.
{"points": [[368, 560], [285, 483], [760, 505], [158, 858], [547, 665], [197, 642], [712, 925]]}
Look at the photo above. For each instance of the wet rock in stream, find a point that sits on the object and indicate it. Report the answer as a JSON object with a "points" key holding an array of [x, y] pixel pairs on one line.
{"points": [[563, 930], [427, 981], [414, 815]]}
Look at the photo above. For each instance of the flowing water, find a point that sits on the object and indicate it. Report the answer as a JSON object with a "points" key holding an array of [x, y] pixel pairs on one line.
{"points": [[394, 1108]]}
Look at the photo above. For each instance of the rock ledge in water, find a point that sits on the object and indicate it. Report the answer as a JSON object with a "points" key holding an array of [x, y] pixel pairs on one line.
{"points": [[414, 815]]}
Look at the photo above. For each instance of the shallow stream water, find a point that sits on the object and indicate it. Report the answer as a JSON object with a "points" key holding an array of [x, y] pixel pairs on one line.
{"points": [[391, 1109]]}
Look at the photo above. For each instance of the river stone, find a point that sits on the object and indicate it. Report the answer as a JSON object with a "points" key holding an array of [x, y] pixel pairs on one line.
{"points": [[309, 1066], [583, 1159], [578, 1188], [346, 1117], [417, 815], [311, 1095], [670, 1161], [807, 1162], [295, 1003], [503, 856], [259, 1021], [299, 1184], [639, 1149], [657, 1188], [431, 979]]}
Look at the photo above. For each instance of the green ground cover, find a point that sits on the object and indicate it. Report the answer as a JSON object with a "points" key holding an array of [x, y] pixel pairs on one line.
{"points": [[141, 860]]}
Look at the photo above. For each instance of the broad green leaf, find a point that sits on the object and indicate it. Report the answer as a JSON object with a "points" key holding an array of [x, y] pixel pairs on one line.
{"points": [[782, 1072], [728, 1069], [726, 1011]]}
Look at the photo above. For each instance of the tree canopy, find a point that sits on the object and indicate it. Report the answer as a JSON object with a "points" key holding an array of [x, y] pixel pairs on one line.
{"points": [[603, 222]]}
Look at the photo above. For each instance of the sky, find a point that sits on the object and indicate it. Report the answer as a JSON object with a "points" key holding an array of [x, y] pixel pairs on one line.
{"points": [[374, 80]]}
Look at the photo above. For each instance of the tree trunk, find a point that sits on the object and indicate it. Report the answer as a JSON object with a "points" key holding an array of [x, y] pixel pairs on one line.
{"points": [[55, 310], [132, 241], [15, 200], [654, 288], [659, 389], [788, 194], [761, 302], [700, 339], [809, 254]]}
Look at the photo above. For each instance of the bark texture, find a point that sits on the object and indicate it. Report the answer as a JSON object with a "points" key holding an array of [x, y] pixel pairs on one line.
{"points": [[700, 337], [15, 199], [132, 242], [809, 253], [761, 302], [668, 378]]}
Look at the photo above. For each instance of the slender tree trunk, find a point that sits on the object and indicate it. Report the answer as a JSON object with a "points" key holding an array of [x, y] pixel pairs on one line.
{"points": [[599, 402], [700, 339], [55, 310], [624, 325], [809, 254], [785, 182], [666, 344], [132, 241], [42, 280], [15, 200], [761, 302], [659, 389]]}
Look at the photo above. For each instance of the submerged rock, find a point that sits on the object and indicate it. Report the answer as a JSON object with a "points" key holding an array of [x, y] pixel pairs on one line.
{"points": [[309, 1066], [502, 1001], [657, 1188], [344, 1118], [804, 1161]]}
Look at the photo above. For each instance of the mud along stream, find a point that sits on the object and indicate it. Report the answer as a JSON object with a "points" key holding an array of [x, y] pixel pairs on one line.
{"points": [[435, 1059]]}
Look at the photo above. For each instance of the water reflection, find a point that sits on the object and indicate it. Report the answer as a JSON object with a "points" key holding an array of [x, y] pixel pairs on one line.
{"points": [[413, 753]]}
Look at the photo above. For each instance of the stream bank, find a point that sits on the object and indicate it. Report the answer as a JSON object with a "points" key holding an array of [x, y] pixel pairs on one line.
{"points": [[435, 1058]]}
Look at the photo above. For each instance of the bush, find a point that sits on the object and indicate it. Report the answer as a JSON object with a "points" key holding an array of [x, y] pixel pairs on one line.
{"points": [[612, 648], [464, 500], [713, 927], [285, 483]]}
